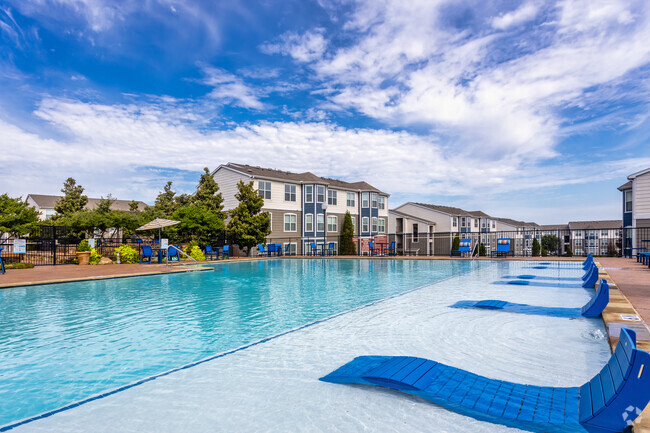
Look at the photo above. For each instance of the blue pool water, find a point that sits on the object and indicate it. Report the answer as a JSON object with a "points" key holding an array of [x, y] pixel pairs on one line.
{"points": [[64, 342]]}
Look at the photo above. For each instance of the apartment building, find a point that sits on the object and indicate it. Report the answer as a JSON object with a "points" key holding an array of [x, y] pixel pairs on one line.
{"points": [[636, 211], [306, 208], [599, 238]]}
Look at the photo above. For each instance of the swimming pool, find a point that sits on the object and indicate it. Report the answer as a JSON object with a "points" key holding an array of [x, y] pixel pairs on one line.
{"points": [[64, 342]]}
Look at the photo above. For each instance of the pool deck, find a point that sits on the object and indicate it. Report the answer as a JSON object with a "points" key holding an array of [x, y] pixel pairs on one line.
{"points": [[629, 299]]}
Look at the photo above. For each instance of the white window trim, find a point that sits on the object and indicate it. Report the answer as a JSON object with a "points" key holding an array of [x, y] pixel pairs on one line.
{"points": [[320, 219], [374, 225], [334, 197], [312, 223], [295, 250], [348, 200], [365, 198], [354, 224], [374, 200], [295, 194], [324, 193], [336, 223], [312, 193], [381, 201], [365, 224], [265, 182], [381, 228], [285, 223]]}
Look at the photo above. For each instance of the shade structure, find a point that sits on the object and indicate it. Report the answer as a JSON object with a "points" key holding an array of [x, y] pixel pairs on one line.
{"points": [[158, 223]]}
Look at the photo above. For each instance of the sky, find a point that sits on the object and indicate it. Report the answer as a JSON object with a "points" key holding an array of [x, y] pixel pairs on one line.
{"points": [[531, 110]]}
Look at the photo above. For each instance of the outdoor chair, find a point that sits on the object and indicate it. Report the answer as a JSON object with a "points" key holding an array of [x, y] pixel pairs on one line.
{"points": [[2, 263], [287, 250], [503, 248], [371, 248], [147, 254], [278, 249], [272, 249], [314, 250], [173, 254], [464, 247], [330, 249], [261, 251], [209, 252], [225, 252], [391, 251]]}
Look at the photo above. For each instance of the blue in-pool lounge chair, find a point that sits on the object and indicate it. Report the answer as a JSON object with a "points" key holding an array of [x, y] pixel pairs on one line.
{"points": [[593, 308], [607, 403], [503, 248], [463, 248], [2, 263]]}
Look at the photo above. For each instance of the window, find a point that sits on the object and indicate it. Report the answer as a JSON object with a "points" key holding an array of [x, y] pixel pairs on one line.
{"points": [[289, 192], [354, 225], [454, 222], [476, 223], [415, 233], [578, 233], [290, 222], [309, 193], [382, 202], [374, 199], [350, 199], [628, 200], [462, 222], [292, 250], [264, 189], [320, 193], [331, 197], [604, 233], [309, 223], [382, 225], [483, 224], [332, 224], [364, 199], [578, 242], [365, 221], [494, 224], [320, 222], [374, 224]]}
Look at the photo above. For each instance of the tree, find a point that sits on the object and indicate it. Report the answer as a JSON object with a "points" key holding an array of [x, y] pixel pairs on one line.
{"points": [[197, 224], [207, 193], [456, 243], [134, 206], [550, 242], [73, 199], [165, 204], [482, 251], [536, 247], [248, 226], [569, 251], [347, 246], [16, 216]]}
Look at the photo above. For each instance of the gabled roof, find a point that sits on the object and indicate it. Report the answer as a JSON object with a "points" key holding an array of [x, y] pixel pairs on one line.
{"points": [[306, 177], [517, 223], [638, 173], [49, 201], [626, 185], [595, 225], [449, 210], [555, 227], [406, 214], [479, 214]]}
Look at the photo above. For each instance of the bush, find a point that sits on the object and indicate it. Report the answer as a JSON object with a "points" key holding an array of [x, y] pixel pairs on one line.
{"points": [[456, 243], [544, 252], [127, 254], [83, 246], [22, 265], [94, 256], [196, 253], [536, 247], [569, 251], [482, 251]]}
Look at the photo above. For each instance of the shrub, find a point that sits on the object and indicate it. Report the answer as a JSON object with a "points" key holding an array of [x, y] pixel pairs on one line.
{"points": [[544, 252], [94, 256], [127, 254], [83, 246], [196, 253], [536, 247], [22, 265], [482, 251], [569, 251], [456, 243]]}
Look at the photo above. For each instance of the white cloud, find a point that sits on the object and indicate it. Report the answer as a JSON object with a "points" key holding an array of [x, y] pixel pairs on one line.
{"points": [[519, 16], [304, 48], [229, 88]]}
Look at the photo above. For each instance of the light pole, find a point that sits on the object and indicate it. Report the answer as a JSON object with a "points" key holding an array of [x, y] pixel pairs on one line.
{"points": [[324, 206]]}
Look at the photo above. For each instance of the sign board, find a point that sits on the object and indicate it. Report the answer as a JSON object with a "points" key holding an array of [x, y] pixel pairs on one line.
{"points": [[365, 245], [20, 246], [91, 243], [164, 244]]}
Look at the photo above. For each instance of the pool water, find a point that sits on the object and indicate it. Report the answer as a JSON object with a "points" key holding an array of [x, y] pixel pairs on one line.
{"points": [[64, 342]]}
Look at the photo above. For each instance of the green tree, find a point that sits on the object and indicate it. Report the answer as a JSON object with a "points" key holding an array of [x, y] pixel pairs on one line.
{"points": [[196, 224], [482, 251], [550, 242], [248, 226], [134, 206], [73, 199], [207, 194], [16, 216], [456, 243], [347, 248], [569, 251], [536, 247], [165, 204]]}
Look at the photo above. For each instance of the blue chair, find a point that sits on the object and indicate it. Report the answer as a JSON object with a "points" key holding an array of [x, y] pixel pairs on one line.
{"points": [[209, 252], [287, 249], [147, 254], [330, 249], [225, 253], [371, 247], [503, 248], [261, 251], [278, 249], [272, 249], [173, 254], [464, 247], [391, 251], [314, 249], [2, 263]]}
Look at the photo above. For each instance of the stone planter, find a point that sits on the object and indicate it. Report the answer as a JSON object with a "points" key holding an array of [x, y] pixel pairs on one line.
{"points": [[83, 257]]}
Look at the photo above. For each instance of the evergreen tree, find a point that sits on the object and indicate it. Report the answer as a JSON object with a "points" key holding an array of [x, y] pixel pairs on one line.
{"points": [[207, 194], [536, 247], [456, 243], [347, 247], [16, 216], [73, 199], [165, 204], [550, 242], [248, 226], [133, 206]]}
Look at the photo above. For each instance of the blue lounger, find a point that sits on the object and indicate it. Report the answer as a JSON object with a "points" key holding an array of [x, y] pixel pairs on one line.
{"points": [[597, 406], [591, 277], [593, 308], [588, 261], [464, 247]]}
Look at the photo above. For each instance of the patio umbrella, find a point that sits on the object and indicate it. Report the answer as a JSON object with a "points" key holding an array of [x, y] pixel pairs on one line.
{"points": [[158, 223]]}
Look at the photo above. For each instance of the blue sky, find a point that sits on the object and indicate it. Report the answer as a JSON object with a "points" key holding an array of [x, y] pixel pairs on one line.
{"points": [[532, 110]]}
